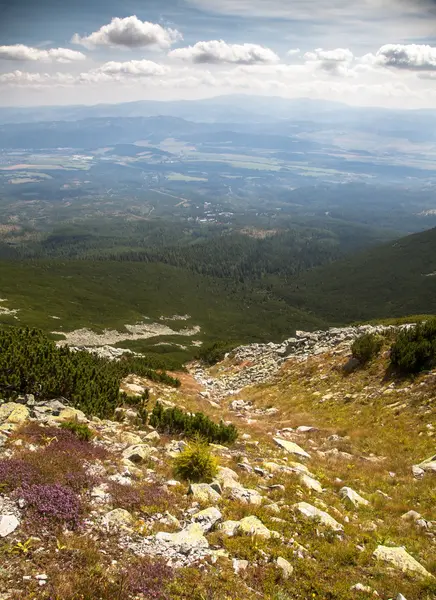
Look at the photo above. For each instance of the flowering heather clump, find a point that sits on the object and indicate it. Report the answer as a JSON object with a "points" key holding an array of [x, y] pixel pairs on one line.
{"points": [[63, 440], [139, 497], [150, 578], [15, 473], [54, 504]]}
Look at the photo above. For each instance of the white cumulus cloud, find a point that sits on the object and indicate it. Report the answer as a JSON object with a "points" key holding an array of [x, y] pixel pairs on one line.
{"points": [[219, 52], [413, 57], [24, 53], [336, 62], [129, 32]]}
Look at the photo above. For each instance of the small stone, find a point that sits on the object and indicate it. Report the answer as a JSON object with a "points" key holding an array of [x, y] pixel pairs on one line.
{"points": [[285, 566], [71, 414], [291, 447], [352, 498], [239, 565], [315, 514], [311, 483], [8, 524], [246, 496]]}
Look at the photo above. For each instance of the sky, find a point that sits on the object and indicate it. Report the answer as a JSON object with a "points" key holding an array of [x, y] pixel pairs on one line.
{"points": [[361, 52]]}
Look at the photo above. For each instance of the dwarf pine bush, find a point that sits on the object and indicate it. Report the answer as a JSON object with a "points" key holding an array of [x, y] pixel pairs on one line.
{"points": [[175, 420], [366, 347], [195, 463], [415, 348]]}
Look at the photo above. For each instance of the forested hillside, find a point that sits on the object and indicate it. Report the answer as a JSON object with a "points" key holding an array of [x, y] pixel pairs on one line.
{"points": [[392, 280]]}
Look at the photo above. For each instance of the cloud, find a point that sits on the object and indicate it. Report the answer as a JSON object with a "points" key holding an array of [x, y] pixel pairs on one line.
{"points": [[335, 62], [412, 57], [293, 52], [129, 32], [25, 53], [219, 52], [23, 78]]}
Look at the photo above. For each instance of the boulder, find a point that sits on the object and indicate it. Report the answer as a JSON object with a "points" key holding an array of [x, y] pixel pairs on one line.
{"points": [[8, 524], [207, 518], [137, 453], [71, 414], [246, 496], [13, 413], [153, 436], [352, 498], [118, 519], [204, 493], [253, 526], [310, 483], [229, 528], [285, 566], [400, 559], [132, 439], [291, 447], [186, 540], [227, 478], [315, 514]]}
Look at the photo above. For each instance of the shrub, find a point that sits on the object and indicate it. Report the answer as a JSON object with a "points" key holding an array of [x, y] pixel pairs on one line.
{"points": [[15, 473], [415, 348], [175, 420], [51, 504], [149, 577], [142, 497], [80, 430], [210, 354], [195, 463], [366, 347], [30, 363]]}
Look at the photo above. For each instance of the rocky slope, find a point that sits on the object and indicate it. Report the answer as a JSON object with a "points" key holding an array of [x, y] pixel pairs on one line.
{"points": [[328, 492]]}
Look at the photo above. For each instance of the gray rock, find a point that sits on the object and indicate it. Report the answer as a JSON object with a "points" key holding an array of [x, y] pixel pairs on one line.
{"points": [[352, 498], [400, 559], [203, 492], [285, 566], [138, 453], [315, 514]]}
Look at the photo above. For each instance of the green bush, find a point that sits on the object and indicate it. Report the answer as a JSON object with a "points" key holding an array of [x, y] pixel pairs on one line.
{"points": [[415, 348], [195, 463], [176, 420], [31, 363], [366, 347], [210, 354], [80, 430]]}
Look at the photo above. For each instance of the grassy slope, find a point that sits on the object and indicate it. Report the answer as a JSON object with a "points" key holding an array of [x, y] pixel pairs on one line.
{"points": [[387, 281], [111, 294]]}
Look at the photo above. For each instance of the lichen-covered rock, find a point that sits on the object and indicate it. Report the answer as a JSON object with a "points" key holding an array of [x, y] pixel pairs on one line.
{"points": [[132, 439], [137, 453], [153, 436], [204, 493], [227, 478], [118, 519], [310, 483], [13, 413], [207, 518], [229, 528], [71, 414], [400, 559], [246, 496], [190, 538], [292, 448], [315, 514], [253, 526], [352, 498]]}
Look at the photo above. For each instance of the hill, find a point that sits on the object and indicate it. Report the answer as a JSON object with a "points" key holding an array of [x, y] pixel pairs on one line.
{"points": [[392, 280], [322, 487]]}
